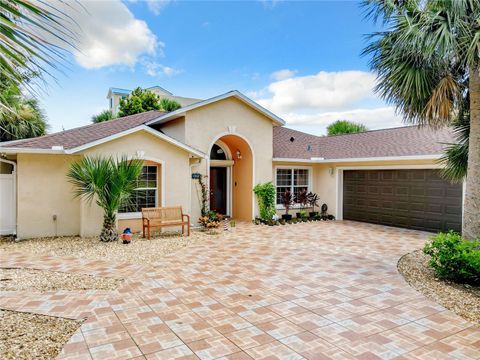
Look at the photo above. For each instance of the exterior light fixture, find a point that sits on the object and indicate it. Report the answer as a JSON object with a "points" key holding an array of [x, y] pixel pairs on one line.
{"points": [[239, 155]]}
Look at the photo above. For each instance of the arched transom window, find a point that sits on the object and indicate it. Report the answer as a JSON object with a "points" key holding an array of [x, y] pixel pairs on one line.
{"points": [[217, 153]]}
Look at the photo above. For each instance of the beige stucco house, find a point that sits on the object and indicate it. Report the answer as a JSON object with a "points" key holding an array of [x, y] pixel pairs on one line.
{"points": [[385, 176]]}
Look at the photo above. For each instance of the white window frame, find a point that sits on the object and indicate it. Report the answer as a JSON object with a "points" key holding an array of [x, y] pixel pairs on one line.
{"points": [[138, 214], [292, 168]]}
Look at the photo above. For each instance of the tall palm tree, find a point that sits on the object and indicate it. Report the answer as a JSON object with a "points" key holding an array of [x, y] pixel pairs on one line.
{"points": [[428, 62], [110, 182]]}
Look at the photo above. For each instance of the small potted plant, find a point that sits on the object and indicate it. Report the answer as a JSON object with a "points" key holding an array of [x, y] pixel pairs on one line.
{"points": [[303, 215], [313, 200], [287, 201], [233, 225], [302, 199]]}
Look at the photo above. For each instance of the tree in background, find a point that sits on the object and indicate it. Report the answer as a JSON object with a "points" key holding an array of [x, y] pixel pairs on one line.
{"points": [[110, 182], [24, 119], [169, 105], [105, 115], [345, 127], [139, 101], [428, 65]]}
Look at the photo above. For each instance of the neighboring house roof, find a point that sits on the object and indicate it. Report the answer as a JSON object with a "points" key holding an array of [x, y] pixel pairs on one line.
{"points": [[235, 93], [408, 141]]}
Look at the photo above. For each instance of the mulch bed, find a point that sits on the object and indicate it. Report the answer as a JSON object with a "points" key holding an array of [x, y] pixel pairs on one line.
{"points": [[42, 280], [30, 336], [140, 251], [463, 300]]}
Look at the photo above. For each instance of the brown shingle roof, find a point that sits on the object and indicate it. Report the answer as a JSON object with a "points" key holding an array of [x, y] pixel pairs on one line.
{"points": [[403, 141], [72, 138]]}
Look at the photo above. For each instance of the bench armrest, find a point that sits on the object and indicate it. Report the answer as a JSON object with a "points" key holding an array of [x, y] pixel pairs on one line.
{"points": [[186, 216], [146, 219]]}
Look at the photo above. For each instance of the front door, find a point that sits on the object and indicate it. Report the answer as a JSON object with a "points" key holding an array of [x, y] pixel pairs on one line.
{"points": [[218, 190]]}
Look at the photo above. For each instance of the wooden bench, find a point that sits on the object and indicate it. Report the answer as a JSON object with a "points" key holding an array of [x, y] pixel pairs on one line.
{"points": [[163, 217]]}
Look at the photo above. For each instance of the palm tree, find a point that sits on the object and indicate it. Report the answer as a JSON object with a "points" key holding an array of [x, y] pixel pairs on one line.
{"points": [[110, 181], [169, 105], [25, 120], [428, 64], [105, 115]]}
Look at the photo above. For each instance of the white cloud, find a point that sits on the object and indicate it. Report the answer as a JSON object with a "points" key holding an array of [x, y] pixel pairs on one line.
{"points": [[109, 34], [312, 102], [156, 6], [283, 74], [325, 90], [153, 68], [376, 118]]}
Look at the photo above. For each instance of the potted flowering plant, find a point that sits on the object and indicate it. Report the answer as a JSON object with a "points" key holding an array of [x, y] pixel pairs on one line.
{"points": [[287, 201], [302, 199], [313, 200], [211, 220]]}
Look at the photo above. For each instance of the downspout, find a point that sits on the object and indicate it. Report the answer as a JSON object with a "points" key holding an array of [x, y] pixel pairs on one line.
{"points": [[14, 173]]}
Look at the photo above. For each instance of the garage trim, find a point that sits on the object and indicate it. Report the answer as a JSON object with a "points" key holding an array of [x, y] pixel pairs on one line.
{"points": [[339, 180]]}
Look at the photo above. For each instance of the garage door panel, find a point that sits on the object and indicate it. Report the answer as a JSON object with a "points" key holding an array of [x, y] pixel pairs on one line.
{"points": [[452, 210], [418, 199], [453, 192], [436, 208]]}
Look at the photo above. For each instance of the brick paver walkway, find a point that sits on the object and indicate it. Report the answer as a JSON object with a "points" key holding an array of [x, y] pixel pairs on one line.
{"points": [[326, 290]]}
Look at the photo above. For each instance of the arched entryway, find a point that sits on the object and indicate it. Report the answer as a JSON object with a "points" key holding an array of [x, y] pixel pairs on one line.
{"points": [[231, 177]]}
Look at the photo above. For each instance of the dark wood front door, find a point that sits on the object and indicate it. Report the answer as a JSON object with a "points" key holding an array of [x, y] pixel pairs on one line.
{"points": [[416, 199], [218, 189]]}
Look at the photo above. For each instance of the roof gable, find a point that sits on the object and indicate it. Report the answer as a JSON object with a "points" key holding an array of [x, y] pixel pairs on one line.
{"points": [[236, 94]]}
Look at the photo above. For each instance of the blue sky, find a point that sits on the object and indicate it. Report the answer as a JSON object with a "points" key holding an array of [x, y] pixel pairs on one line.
{"points": [[299, 59]]}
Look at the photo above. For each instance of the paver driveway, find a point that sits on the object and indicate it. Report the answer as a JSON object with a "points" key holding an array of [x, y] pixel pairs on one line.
{"points": [[315, 290]]}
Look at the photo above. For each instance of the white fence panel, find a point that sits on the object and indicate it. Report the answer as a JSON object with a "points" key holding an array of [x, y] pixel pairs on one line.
{"points": [[8, 211]]}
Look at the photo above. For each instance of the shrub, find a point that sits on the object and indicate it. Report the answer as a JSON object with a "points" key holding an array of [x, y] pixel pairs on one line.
{"points": [[453, 258], [266, 200], [211, 220], [345, 127]]}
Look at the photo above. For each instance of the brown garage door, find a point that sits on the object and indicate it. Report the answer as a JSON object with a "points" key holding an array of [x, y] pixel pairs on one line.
{"points": [[415, 199]]}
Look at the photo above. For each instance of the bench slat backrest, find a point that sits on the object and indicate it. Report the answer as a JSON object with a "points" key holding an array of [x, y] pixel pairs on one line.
{"points": [[163, 213]]}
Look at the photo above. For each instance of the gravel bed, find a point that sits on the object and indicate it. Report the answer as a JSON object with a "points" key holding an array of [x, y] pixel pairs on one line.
{"points": [[30, 336], [463, 300], [139, 251], [43, 280]]}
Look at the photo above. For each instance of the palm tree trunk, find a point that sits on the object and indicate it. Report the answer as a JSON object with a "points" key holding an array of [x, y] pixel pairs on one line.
{"points": [[471, 208], [109, 230]]}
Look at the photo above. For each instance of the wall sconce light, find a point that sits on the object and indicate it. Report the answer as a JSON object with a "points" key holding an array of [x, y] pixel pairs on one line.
{"points": [[330, 171], [239, 155]]}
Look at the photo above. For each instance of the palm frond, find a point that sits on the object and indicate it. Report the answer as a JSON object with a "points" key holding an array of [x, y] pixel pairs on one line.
{"points": [[35, 37]]}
